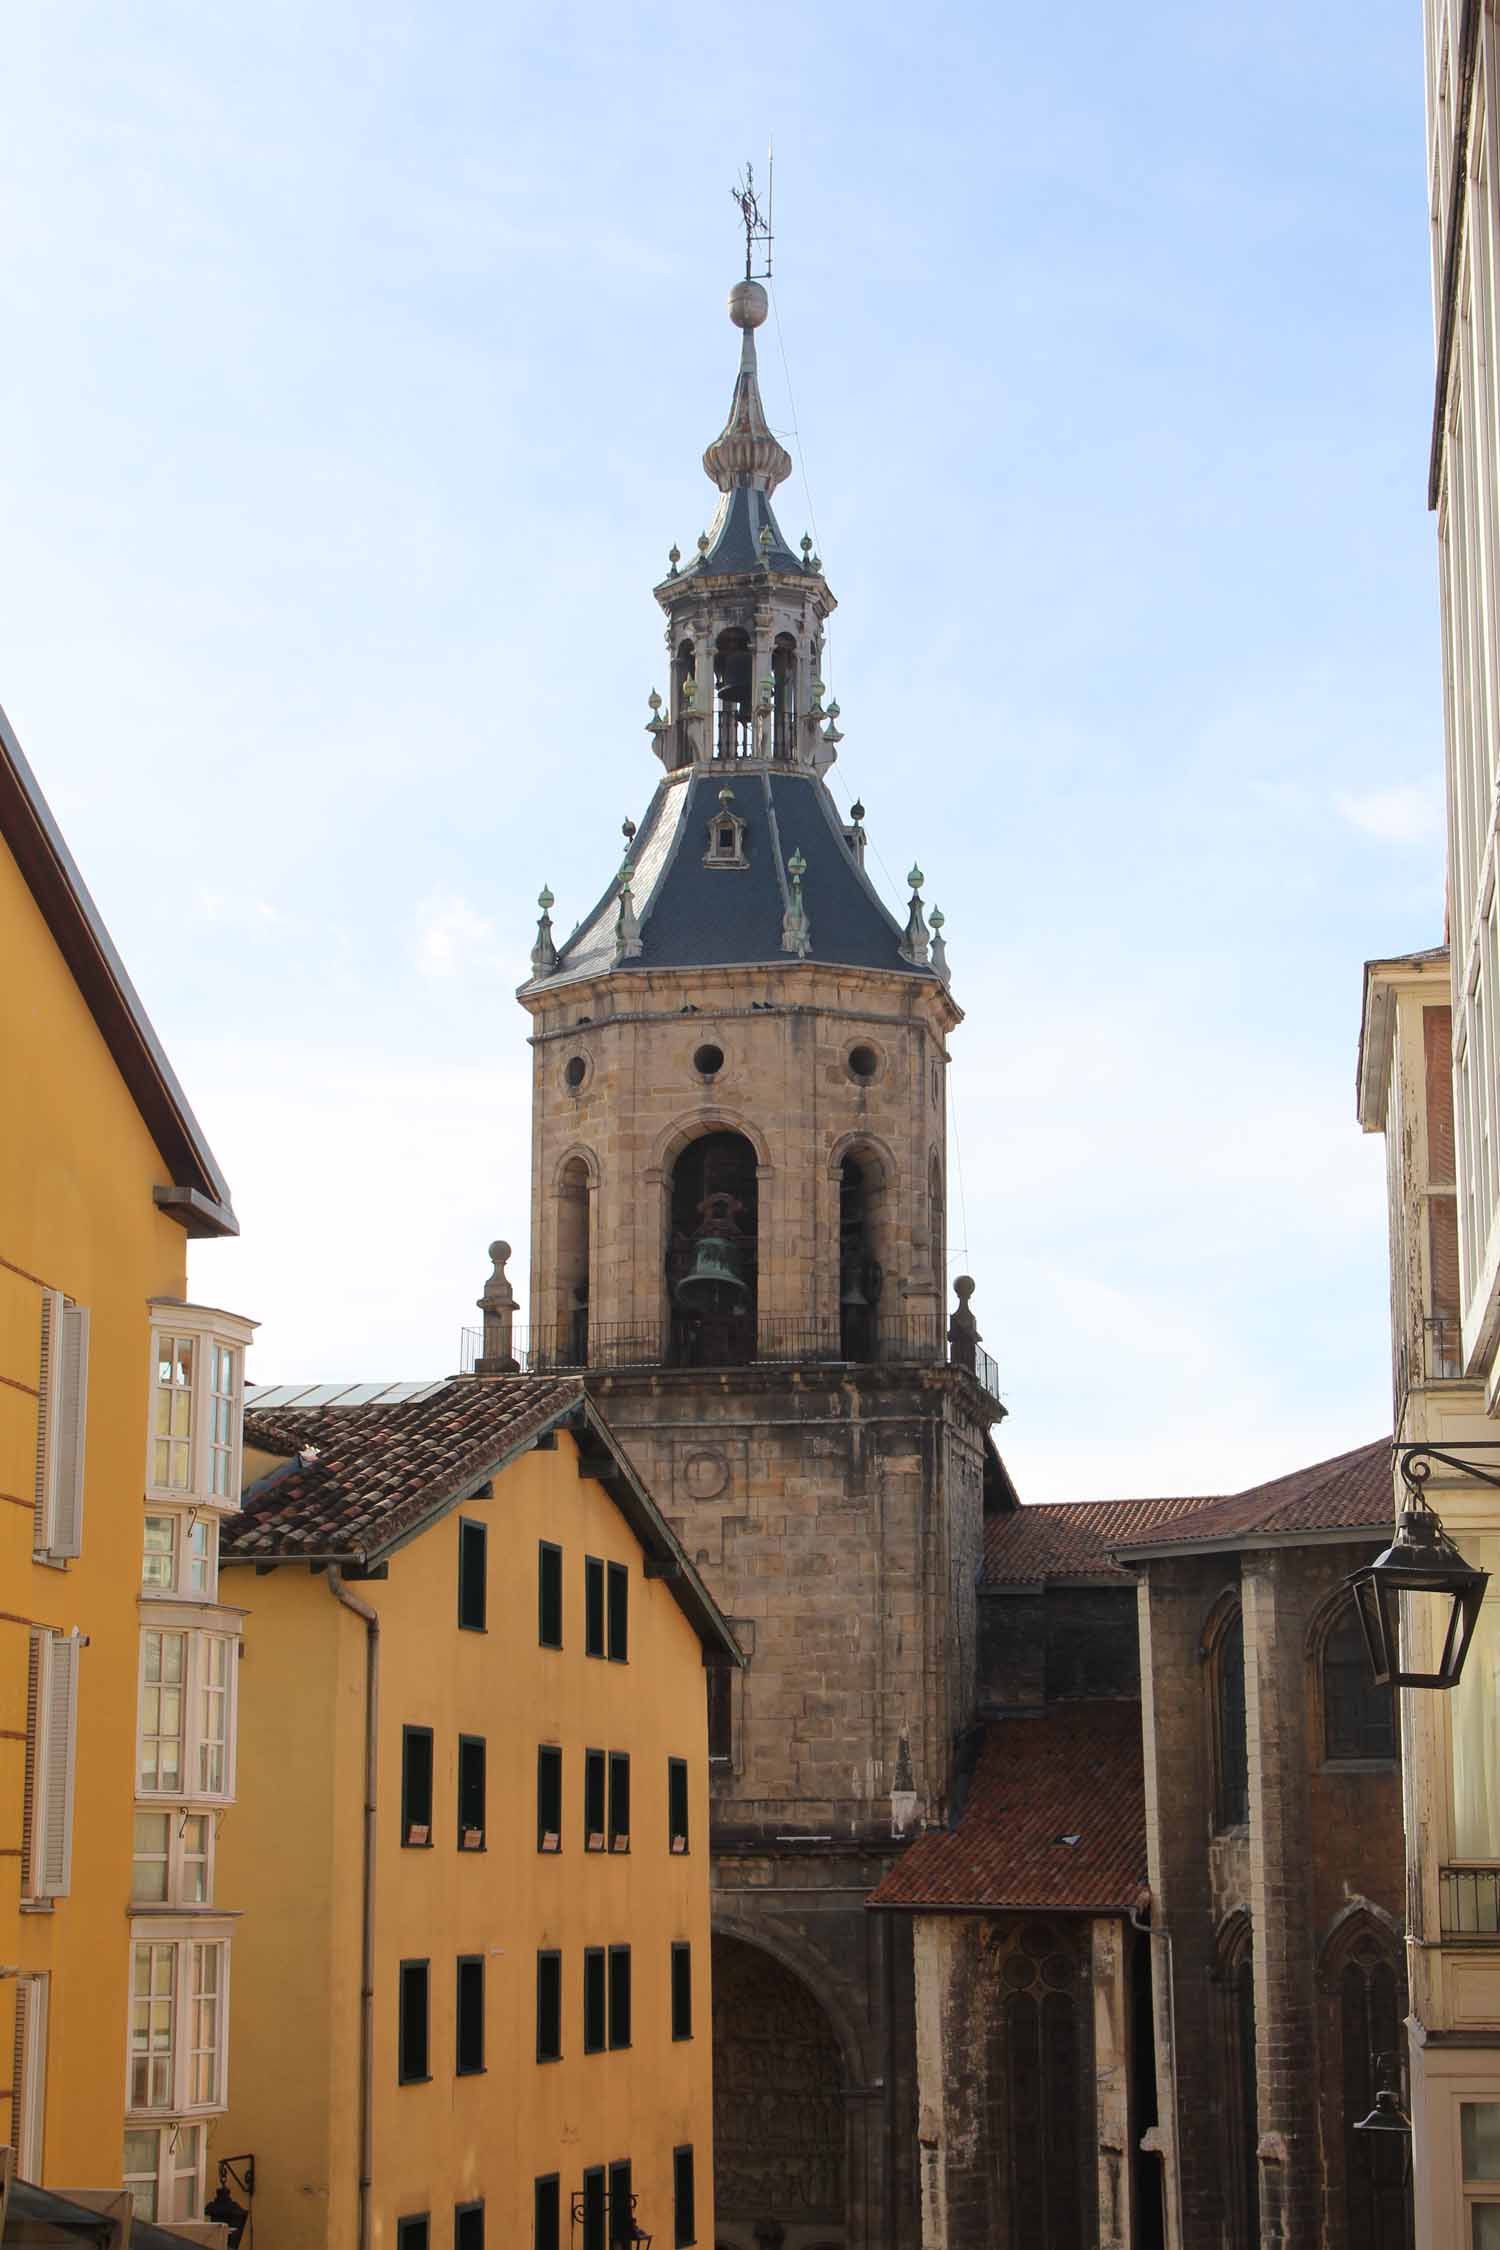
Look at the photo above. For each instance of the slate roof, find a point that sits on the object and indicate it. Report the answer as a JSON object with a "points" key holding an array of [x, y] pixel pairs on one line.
{"points": [[1075, 1770], [356, 1481], [692, 916], [1071, 1538], [734, 539]]}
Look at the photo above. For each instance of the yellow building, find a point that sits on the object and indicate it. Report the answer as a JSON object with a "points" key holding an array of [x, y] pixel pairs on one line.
{"points": [[474, 1816], [119, 1410]]}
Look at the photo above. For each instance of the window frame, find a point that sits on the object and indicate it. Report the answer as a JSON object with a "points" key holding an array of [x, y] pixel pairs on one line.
{"points": [[549, 1981], [549, 1594], [175, 1860], [682, 2239], [617, 1819], [465, 1829], [595, 2001], [414, 2231], [1231, 1808], [617, 1612], [464, 2010], [185, 1522], [719, 1715], [165, 2174], [410, 1840], [210, 1333], [678, 1803], [549, 1797], [407, 2017], [473, 1576], [1340, 1614], [681, 1959], [196, 1686], [595, 2213], [594, 1628], [547, 2186], [461, 2212], [185, 1998], [620, 1989], [596, 1798]]}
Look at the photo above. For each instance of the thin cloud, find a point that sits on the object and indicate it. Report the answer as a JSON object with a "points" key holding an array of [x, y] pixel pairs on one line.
{"points": [[453, 937], [1408, 813]]}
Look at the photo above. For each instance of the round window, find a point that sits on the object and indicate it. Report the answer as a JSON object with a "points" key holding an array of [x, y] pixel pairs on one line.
{"points": [[575, 1073], [863, 1063], [708, 1061]]}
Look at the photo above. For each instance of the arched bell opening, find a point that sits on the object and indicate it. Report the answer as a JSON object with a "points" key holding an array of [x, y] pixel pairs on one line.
{"points": [[784, 696], [781, 2117], [572, 1342], [684, 686], [937, 1222], [734, 693], [863, 1253], [712, 1265]]}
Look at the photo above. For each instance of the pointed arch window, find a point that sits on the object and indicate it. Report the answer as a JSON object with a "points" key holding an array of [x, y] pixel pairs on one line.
{"points": [[1234, 1975], [684, 687], [1359, 1718], [571, 1344], [784, 695], [1226, 1665], [1362, 2035], [734, 693]]}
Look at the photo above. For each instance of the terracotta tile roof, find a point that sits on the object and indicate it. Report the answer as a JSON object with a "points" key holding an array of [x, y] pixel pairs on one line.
{"points": [[1074, 1770], [1071, 1538], [1352, 1492], [382, 1468]]}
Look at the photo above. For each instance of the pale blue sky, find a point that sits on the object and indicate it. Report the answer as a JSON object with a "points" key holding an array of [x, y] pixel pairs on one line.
{"points": [[357, 365]]}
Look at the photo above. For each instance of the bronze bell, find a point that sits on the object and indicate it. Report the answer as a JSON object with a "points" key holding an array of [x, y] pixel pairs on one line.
{"points": [[712, 1285], [851, 1296]]}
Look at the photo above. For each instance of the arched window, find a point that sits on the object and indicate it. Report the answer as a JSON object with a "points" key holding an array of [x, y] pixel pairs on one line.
{"points": [[734, 692], [1040, 2110], [712, 1253], [1359, 1718], [571, 1344], [684, 681], [1362, 2037], [784, 681], [865, 1251], [1234, 1974], [1231, 1753], [936, 1219]]}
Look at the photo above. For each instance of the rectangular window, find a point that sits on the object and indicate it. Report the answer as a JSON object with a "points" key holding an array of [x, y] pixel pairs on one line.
{"points": [[549, 1798], [682, 1991], [546, 2213], [416, 1787], [163, 2172], [593, 1606], [223, 1420], [549, 2007], [621, 2201], [468, 2226], [619, 1613], [684, 2218], [162, 1712], [549, 1595], [469, 2016], [720, 1714], [153, 2025], [595, 2031], [186, 1732], [414, 2232], [471, 1759], [214, 1655], [177, 2023], [473, 1543], [169, 1866], [619, 1996], [619, 1801], [1479, 2140], [172, 1420], [593, 1800], [159, 1562], [200, 1558], [677, 1804], [593, 2208], [206, 2026], [62, 1406], [411, 2033]]}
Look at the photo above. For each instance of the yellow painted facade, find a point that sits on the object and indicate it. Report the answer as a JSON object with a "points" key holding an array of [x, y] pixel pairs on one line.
{"points": [[294, 1851], [82, 1233]]}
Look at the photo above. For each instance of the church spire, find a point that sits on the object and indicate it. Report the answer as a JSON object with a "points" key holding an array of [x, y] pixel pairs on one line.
{"points": [[746, 451]]}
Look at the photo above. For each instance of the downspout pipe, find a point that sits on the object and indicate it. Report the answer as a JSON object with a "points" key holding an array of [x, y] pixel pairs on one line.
{"points": [[371, 1620]]}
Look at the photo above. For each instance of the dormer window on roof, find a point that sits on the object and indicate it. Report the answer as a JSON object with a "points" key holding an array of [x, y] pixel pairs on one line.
{"points": [[726, 835]]}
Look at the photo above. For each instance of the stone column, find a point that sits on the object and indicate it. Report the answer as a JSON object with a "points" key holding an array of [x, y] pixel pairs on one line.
{"points": [[1110, 1942]]}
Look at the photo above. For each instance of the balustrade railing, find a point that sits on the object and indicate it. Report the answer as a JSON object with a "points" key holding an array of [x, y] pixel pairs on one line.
{"points": [[1469, 1901], [904, 1339]]}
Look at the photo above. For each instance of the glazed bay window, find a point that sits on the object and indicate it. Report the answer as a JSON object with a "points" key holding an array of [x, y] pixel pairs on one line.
{"points": [[186, 1727], [181, 1554], [178, 2023], [172, 1859], [197, 1377], [1479, 2126], [163, 2172]]}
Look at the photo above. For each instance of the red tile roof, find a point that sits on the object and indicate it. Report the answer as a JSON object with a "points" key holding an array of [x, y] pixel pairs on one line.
{"points": [[1071, 1538], [1074, 1770], [1080, 1538], [380, 1469]]}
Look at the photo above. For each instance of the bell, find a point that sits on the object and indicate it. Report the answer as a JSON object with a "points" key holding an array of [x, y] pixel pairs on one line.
{"points": [[851, 1296], [712, 1286]]}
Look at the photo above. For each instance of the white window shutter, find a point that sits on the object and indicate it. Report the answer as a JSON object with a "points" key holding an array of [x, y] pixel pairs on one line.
{"points": [[29, 2075], [53, 1305], [71, 1368], [56, 1765]]}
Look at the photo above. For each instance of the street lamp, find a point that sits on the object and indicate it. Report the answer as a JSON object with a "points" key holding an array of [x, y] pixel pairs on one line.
{"points": [[221, 2208], [1421, 1560]]}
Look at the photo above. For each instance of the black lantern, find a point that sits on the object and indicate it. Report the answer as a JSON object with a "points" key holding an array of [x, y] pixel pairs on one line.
{"points": [[1387, 2116], [1421, 1559], [221, 2209]]}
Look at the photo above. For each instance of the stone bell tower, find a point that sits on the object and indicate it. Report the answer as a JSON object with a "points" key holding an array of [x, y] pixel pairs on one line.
{"points": [[738, 1198]]}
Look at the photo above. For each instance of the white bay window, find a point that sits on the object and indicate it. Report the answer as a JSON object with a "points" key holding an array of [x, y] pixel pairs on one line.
{"points": [[180, 1554], [172, 1863], [179, 1989], [197, 1385], [185, 1732], [163, 2172]]}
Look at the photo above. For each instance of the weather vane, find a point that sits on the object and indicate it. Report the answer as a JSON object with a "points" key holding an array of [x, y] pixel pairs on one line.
{"points": [[757, 223]]}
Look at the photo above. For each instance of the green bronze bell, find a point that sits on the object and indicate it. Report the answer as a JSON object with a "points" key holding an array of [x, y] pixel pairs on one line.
{"points": [[712, 1285]]}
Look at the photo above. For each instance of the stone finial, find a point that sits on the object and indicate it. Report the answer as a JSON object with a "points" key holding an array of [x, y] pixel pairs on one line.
{"points": [[497, 1302], [831, 734], [806, 543], [856, 832], [627, 929], [939, 950], [915, 943], [544, 952], [796, 931], [815, 708], [627, 830], [674, 557], [656, 724], [702, 544], [963, 1328]]}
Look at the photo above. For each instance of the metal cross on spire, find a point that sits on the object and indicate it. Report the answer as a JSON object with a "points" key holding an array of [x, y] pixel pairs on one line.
{"points": [[757, 223]]}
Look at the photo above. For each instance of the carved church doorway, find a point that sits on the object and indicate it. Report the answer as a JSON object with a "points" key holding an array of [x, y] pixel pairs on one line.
{"points": [[779, 2109]]}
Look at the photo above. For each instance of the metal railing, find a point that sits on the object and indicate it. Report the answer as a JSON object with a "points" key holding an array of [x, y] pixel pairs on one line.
{"points": [[1469, 1901], [893, 1340]]}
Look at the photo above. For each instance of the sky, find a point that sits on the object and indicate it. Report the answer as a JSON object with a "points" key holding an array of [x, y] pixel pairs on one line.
{"points": [[357, 369]]}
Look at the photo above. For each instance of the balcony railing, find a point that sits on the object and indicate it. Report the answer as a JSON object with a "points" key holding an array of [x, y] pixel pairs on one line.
{"points": [[1469, 1901], [601, 1346]]}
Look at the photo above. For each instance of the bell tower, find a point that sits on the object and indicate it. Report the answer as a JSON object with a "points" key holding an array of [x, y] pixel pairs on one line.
{"points": [[739, 1190]]}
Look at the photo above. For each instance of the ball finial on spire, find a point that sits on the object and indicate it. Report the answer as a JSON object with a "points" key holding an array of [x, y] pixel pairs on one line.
{"points": [[748, 304]]}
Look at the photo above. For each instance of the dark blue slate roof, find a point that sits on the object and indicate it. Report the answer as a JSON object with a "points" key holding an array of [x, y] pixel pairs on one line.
{"points": [[734, 537], [696, 916]]}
